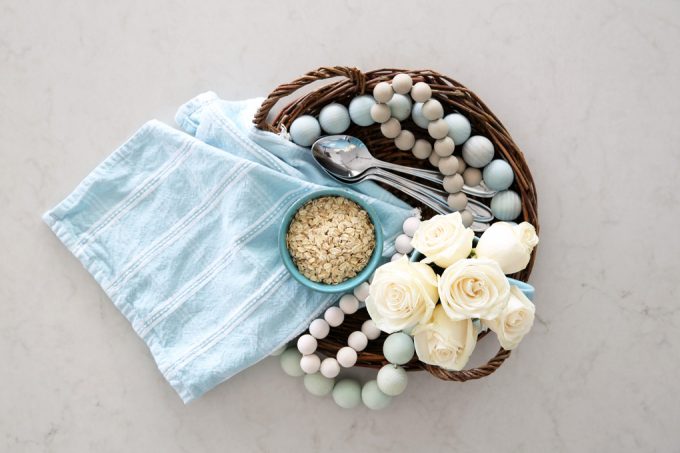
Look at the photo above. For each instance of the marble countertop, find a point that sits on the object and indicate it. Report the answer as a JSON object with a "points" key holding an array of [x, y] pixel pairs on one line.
{"points": [[589, 91]]}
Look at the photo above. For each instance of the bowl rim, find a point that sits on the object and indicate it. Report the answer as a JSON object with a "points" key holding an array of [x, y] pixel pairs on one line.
{"points": [[351, 283]]}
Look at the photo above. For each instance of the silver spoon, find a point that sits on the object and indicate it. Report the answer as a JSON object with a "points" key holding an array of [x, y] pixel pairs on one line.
{"points": [[433, 198], [348, 157]]}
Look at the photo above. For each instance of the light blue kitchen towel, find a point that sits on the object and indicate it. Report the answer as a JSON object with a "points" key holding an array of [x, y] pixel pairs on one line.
{"points": [[182, 236]]}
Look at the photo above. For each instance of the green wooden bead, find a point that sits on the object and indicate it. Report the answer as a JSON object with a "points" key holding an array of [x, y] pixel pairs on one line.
{"points": [[347, 393], [373, 397], [318, 385], [398, 348], [392, 380], [290, 362]]}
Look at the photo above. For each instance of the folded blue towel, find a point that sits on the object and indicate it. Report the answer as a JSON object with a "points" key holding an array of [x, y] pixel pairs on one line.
{"points": [[181, 233]]}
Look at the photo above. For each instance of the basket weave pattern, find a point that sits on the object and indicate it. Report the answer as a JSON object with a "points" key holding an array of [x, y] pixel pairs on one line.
{"points": [[351, 82]]}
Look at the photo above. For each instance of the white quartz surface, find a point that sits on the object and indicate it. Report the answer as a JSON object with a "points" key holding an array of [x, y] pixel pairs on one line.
{"points": [[589, 91]]}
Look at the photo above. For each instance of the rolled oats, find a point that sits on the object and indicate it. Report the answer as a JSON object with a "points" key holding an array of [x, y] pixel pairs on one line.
{"points": [[330, 239]]}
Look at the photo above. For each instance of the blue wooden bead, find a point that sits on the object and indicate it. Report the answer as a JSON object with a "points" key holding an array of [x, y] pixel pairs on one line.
{"points": [[459, 127], [417, 115], [498, 175], [305, 130], [477, 151], [360, 110], [400, 106], [506, 205], [334, 118]]}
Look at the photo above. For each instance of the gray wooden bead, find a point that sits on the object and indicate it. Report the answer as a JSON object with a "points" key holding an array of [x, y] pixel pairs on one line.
{"points": [[444, 146], [422, 149], [391, 128], [472, 176], [438, 129], [434, 159], [448, 165], [467, 218], [457, 201], [453, 183], [405, 140]]}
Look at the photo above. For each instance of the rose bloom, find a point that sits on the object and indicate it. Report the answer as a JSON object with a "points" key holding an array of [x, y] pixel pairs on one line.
{"points": [[515, 321], [474, 288], [402, 294], [444, 342], [443, 239], [510, 245]]}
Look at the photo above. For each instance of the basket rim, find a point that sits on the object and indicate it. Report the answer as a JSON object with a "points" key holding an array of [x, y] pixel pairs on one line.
{"points": [[454, 96]]}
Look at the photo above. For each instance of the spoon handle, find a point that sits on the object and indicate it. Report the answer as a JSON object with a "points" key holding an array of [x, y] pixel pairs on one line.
{"points": [[417, 195], [428, 175], [480, 212], [435, 177]]}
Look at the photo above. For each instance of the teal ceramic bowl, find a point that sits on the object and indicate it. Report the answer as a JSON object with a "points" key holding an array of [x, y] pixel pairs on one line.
{"points": [[347, 285]]}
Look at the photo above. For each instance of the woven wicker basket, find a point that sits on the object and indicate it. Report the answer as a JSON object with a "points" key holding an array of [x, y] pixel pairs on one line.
{"points": [[351, 82]]}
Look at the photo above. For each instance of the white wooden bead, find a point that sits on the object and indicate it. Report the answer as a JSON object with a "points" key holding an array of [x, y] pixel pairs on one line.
{"points": [[417, 115], [410, 226], [421, 149], [453, 183], [444, 146], [478, 151], [349, 304], [360, 110], [448, 165], [330, 367], [405, 140], [334, 118], [434, 159], [402, 83], [380, 113], [357, 340], [421, 92], [438, 128], [361, 291], [457, 201], [467, 218], [310, 363], [306, 344], [433, 110], [391, 128], [403, 244], [319, 328], [370, 329], [346, 357], [334, 316], [400, 106], [472, 176], [383, 92], [396, 256]]}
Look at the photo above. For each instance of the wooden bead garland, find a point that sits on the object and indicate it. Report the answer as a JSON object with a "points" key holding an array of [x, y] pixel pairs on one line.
{"points": [[389, 105]]}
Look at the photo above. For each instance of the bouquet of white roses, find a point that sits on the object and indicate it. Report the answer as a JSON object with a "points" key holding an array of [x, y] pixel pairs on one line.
{"points": [[444, 300]]}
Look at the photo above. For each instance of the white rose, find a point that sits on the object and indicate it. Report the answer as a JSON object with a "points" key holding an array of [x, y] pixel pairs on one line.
{"points": [[445, 342], [515, 321], [474, 288], [510, 245], [402, 294], [443, 239]]}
